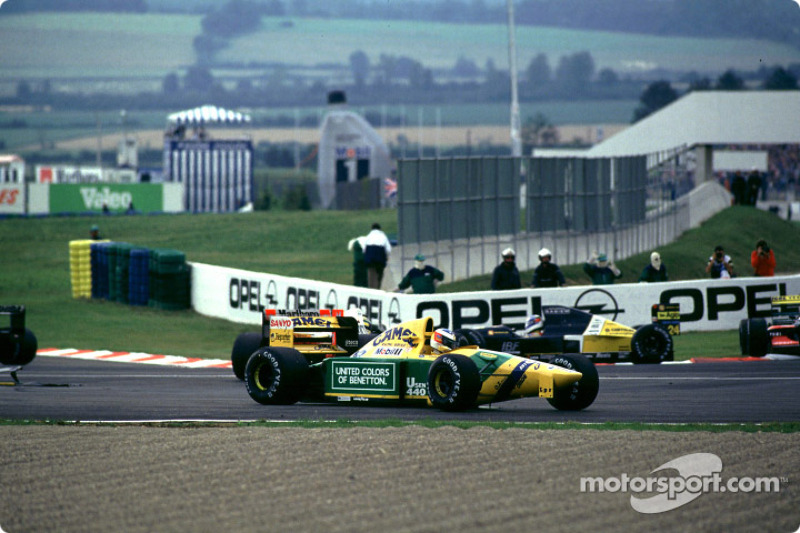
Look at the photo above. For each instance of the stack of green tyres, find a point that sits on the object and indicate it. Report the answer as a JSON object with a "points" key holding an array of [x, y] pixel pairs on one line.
{"points": [[169, 280], [118, 261], [80, 268]]}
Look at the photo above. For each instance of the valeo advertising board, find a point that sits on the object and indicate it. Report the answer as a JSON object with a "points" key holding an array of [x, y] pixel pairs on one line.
{"points": [[77, 198]]}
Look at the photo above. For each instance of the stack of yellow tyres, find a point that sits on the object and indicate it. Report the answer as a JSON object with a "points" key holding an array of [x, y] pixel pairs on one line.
{"points": [[80, 268]]}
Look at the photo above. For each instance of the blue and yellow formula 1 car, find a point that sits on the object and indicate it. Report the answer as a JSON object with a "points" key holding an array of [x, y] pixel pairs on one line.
{"points": [[561, 329], [412, 363]]}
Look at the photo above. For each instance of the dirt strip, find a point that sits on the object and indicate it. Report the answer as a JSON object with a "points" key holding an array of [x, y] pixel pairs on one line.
{"points": [[133, 478]]}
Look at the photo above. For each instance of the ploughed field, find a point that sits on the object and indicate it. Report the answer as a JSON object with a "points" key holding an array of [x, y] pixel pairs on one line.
{"points": [[413, 478]]}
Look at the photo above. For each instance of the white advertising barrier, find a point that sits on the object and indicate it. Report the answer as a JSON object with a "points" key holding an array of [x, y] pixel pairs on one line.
{"points": [[12, 198], [705, 305]]}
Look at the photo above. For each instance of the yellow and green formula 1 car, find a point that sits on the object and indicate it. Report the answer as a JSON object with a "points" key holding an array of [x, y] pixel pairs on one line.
{"points": [[412, 363]]}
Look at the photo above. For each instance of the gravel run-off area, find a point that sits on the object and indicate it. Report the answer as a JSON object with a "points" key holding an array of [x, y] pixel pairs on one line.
{"points": [[412, 478]]}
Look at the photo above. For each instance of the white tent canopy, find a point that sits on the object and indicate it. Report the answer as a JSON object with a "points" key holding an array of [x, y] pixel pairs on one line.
{"points": [[711, 118], [208, 114]]}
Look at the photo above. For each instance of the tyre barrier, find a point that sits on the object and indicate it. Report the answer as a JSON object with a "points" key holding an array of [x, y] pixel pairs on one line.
{"points": [[125, 273]]}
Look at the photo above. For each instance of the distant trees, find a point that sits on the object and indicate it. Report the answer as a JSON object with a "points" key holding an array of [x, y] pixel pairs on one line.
{"points": [[539, 72], [780, 80], [729, 81], [575, 72], [359, 66], [657, 95]]}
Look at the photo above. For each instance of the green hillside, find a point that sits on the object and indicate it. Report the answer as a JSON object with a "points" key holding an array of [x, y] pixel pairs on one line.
{"points": [[737, 229], [130, 45]]}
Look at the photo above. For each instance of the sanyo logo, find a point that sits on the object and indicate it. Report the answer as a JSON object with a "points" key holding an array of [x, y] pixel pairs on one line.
{"points": [[95, 198]]}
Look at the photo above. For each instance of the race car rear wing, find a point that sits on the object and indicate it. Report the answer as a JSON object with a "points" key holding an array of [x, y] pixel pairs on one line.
{"points": [[786, 305], [324, 331]]}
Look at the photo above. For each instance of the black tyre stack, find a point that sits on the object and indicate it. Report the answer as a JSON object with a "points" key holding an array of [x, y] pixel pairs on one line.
{"points": [[170, 280]]}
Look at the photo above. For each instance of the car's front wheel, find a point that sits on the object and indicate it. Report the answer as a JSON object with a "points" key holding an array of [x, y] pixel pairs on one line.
{"points": [[758, 340], [582, 393], [453, 382]]}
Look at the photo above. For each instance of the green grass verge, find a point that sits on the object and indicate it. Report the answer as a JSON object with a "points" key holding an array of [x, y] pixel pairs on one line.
{"points": [[34, 270], [768, 427]]}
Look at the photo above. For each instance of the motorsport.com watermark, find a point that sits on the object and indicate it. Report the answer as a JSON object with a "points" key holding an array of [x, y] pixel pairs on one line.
{"points": [[698, 473]]}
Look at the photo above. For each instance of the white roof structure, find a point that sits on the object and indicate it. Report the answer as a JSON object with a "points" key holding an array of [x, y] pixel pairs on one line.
{"points": [[710, 118], [208, 114]]}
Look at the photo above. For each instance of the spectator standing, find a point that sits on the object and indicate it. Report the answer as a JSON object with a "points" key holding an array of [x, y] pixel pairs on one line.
{"points": [[422, 278], [720, 265], [763, 259], [601, 270], [94, 233], [753, 187], [655, 270], [739, 188], [376, 253], [505, 275], [547, 274], [359, 266]]}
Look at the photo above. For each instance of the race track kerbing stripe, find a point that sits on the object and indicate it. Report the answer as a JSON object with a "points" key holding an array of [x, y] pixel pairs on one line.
{"points": [[135, 357]]}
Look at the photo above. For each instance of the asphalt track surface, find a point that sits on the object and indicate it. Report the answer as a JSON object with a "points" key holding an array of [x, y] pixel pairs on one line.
{"points": [[78, 390]]}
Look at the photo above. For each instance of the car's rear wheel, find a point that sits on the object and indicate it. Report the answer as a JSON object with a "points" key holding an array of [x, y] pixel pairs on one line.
{"points": [[243, 347], [470, 337], [580, 394], [23, 353], [276, 376], [651, 344], [453, 382], [759, 338]]}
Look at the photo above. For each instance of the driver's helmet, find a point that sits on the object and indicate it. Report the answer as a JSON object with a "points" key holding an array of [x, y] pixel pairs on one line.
{"points": [[534, 326], [443, 340]]}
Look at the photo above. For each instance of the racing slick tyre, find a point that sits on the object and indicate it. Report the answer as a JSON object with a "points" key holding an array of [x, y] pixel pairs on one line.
{"points": [[453, 382], [580, 394], [243, 347], [469, 337], [744, 335], [651, 344], [18, 354], [276, 376], [758, 338]]}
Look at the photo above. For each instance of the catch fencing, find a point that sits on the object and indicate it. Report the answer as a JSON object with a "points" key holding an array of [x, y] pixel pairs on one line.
{"points": [[462, 212]]}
